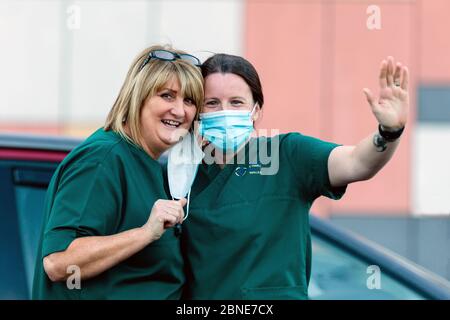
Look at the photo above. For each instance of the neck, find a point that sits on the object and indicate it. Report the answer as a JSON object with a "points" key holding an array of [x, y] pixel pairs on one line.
{"points": [[154, 154]]}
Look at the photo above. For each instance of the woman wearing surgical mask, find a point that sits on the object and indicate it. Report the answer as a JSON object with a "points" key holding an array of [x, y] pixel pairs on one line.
{"points": [[248, 233], [108, 230]]}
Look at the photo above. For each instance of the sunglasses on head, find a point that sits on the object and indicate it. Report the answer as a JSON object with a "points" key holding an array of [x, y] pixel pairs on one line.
{"points": [[171, 56]]}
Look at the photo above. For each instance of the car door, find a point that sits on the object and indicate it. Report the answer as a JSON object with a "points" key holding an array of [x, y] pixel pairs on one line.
{"points": [[23, 185]]}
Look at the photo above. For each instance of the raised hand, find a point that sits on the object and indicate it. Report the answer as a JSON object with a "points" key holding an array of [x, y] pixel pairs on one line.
{"points": [[391, 107]]}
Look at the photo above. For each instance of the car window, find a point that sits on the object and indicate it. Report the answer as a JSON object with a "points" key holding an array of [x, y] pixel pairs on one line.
{"points": [[12, 278], [30, 205], [23, 187], [340, 275]]}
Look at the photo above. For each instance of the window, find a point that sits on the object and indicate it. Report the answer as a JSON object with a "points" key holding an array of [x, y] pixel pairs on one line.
{"points": [[23, 187], [339, 275]]}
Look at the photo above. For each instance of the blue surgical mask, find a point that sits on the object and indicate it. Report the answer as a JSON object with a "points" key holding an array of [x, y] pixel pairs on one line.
{"points": [[227, 130]]}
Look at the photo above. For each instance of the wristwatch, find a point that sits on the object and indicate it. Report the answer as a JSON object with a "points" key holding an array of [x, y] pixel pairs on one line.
{"points": [[390, 136], [381, 138]]}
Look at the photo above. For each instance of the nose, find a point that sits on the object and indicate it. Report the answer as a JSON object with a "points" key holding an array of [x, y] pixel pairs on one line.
{"points": [[178, 108]]}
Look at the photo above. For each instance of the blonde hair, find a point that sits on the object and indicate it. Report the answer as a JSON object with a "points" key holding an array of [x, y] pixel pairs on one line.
{"points": [[141, 84]]}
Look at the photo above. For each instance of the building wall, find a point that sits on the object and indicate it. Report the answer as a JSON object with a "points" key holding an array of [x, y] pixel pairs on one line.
{"points": [[315, 57], [63, 62]]}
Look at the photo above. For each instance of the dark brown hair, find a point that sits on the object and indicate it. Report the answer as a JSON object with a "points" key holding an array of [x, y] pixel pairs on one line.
{"points": [[227, 63]]}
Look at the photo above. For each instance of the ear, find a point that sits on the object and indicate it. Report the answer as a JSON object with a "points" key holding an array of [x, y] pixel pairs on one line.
{"points": [[257, 113]]}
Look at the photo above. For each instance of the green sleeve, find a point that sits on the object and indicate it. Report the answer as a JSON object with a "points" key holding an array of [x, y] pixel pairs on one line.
{"points": [[86, 203], [308, 157]]}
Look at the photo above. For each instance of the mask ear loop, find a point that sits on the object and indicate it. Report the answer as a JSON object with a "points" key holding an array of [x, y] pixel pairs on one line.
{"points": [[187, 206], [252, 113], [178, 228], [202, 139]]}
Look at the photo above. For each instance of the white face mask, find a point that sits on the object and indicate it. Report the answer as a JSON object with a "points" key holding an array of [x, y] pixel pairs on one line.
{"points": [[182, 164]]}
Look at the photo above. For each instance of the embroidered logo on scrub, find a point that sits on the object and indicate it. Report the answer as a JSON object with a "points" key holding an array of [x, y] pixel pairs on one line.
{"points": [[251, 169], [240, 171]]}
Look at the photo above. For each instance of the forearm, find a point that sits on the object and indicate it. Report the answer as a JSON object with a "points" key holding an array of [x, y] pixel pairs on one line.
{"points": [[94, 255], [369, 159]]}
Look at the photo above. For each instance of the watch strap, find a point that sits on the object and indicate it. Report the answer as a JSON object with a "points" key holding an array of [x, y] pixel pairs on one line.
{"points": [[390, 135]]}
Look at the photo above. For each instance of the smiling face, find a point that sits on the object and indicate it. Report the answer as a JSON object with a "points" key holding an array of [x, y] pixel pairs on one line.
{"points": [[164, 116], [227, 91]]}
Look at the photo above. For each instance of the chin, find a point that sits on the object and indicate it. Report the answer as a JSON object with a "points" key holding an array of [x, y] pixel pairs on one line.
{"points": [[167, 140], [175, 135]]}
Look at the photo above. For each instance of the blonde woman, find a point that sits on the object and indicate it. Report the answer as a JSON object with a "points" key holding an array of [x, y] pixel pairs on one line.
{"points": [[107, 215]]}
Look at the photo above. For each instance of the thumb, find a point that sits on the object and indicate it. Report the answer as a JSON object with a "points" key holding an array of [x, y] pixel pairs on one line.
{"points": [[370, 98], [182, 201], [369, 95]]}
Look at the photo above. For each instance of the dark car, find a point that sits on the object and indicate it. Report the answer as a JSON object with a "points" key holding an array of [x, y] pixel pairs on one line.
{"points": [[344, 266]]}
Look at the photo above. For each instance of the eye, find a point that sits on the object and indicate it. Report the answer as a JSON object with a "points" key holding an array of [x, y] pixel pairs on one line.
{"points": [[189, 101], [167, 96], [237, 103], [211, 103]]}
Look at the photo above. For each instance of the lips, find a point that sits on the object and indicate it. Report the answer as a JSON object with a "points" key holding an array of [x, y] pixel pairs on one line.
{"points": [[171, 123]]}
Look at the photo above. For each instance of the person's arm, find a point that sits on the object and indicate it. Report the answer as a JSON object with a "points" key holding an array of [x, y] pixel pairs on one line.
{"points": [[96, 254], [348, 164]]}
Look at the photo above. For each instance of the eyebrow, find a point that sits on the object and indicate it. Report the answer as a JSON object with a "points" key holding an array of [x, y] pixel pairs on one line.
{"points": [[238, 97], [168, 89], [231, 98]]}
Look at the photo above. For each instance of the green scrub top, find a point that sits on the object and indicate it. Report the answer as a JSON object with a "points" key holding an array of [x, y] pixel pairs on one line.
{"points": [[103, 187], [247, 235]]}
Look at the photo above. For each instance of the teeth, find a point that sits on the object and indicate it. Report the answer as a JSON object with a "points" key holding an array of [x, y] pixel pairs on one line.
{"points": [[171, 122]]}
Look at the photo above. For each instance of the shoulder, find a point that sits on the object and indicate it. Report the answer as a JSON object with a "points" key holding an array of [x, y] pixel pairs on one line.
{"points": [[298, 140], [295, 145], [285, 140], [102, 148]]}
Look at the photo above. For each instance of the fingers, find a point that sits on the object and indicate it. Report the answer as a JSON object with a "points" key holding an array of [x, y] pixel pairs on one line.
{"points": [[405, 78], [177, 206], [166, 208], [182, 202], [393, 74], [390, 72], [398, 74], [383, 74], [174, 204], [178, 213], [169, 220]]}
